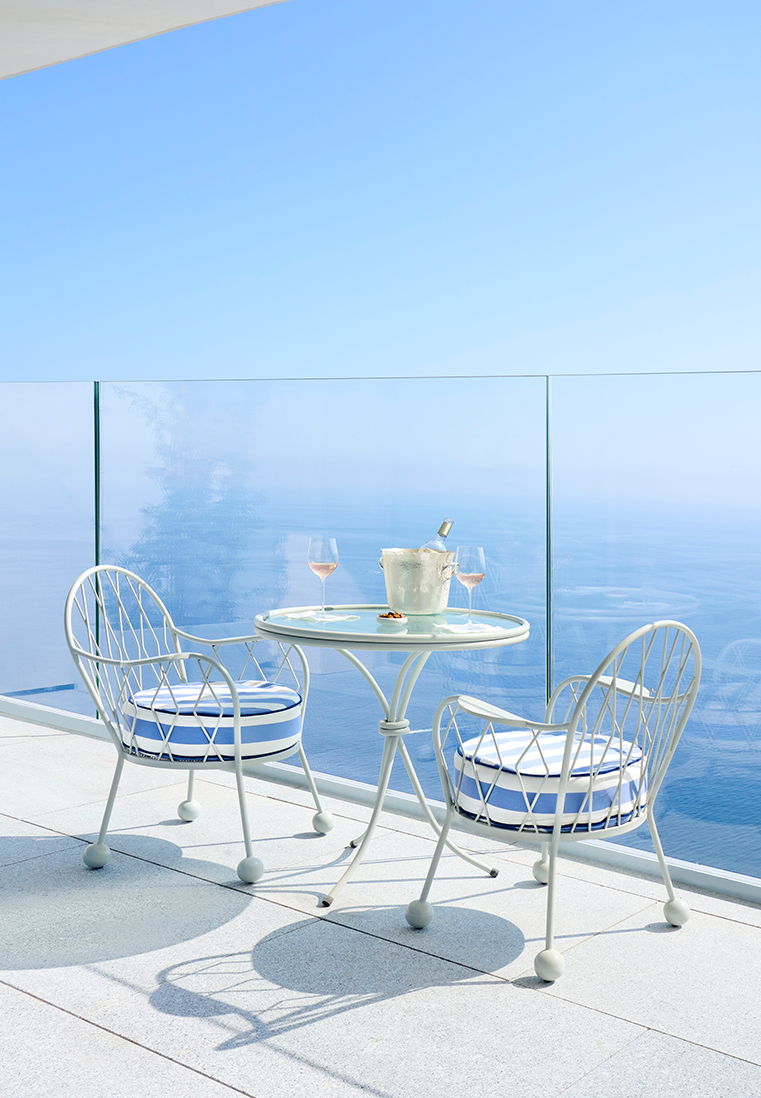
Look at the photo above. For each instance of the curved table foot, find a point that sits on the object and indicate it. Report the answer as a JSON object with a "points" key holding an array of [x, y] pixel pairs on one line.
{"points": [[389, 750]]}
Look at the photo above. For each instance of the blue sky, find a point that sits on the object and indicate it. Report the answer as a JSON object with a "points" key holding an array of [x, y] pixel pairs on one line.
{"points": [[346, 188]]}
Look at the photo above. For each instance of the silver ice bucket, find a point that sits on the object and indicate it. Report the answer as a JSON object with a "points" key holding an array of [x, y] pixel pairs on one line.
{"points": [[417, 580]]}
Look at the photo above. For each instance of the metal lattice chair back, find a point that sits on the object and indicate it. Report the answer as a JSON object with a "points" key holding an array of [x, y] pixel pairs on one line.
{"points": [[113, 618]]}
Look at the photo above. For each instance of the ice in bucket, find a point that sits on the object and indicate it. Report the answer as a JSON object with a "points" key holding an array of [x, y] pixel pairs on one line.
{"points": [[417, 580]]}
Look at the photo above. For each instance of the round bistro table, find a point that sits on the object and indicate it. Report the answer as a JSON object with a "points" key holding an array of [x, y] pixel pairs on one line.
{"points": [[357, 628]]}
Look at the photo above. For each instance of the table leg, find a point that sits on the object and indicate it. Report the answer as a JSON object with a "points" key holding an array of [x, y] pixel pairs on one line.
{"points": [[393, 728], [387, 761]]}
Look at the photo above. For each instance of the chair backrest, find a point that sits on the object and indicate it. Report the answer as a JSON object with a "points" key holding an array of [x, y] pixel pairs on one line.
{"points": [[640, 695], [112, 617], [602, 765]]}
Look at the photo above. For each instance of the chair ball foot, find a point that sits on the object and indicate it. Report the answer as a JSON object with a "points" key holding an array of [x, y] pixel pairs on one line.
{"points": [[677, 912], [250, 870], [323, 822], [326, 901], [96, 855], [494, 873], [541, 871], [549, 965], [188, 810], [418, 914]]}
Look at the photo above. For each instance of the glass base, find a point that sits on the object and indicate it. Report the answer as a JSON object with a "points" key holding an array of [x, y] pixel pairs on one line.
{"points": [[469, 627]]}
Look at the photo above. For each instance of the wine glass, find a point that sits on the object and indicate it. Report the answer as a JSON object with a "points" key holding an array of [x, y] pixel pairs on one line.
{"points": [[322, 559], [470, 572]]}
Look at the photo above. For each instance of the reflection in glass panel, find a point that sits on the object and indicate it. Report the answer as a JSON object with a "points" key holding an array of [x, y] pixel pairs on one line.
{"points": [[657, 516], [47, 537], [211, 491]]}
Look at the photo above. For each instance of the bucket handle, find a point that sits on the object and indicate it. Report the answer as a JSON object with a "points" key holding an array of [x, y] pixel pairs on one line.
{"points": [[446, 571]]}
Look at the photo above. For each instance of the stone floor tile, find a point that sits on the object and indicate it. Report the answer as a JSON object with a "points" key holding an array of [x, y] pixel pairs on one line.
{"points": [[656, 1066], [700, 982], [723, 907], [654, 888], [20, 841], [54, 772], [55, 912], [81, 1060]]}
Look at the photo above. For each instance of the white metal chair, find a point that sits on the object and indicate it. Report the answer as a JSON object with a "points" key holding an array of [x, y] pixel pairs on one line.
{"points": [[591, 769], [165, 706]]}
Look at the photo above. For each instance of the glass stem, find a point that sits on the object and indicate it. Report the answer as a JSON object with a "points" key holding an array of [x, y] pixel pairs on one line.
{"points": [[470, 605], [323, 593]]}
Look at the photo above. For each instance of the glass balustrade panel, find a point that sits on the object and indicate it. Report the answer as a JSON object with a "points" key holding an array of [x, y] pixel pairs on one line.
{"points": [[47, 535], [212, 490], [657, 515]]}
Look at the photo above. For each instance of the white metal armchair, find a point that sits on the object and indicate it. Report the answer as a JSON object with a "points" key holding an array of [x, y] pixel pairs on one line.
{"points": [[591, 769], [165, 705]]}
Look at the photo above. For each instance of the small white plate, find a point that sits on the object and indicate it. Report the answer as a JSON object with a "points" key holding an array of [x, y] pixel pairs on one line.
{"points": [[395, 623]]}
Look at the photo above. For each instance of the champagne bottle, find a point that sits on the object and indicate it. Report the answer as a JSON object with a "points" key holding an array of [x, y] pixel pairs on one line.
{"points": [[437, 544]]}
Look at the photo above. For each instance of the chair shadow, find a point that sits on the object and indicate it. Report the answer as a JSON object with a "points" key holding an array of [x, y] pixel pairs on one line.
{"points": [[54, 912], [315, 970]]}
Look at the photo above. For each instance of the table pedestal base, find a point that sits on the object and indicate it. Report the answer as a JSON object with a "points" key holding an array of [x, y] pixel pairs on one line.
{"points": [[393, 728]]}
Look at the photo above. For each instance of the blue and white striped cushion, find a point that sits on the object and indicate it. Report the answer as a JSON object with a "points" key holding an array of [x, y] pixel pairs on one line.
{"points": [[194, 721], [525, 781]]}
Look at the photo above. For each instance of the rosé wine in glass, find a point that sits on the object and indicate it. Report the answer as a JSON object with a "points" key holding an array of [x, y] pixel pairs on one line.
{"points": [[471, 570], [322, 558], [470, 579], [322, 568]]}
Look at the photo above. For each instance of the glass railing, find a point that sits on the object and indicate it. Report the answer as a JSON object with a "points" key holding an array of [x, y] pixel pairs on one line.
{"points": [[46, 534], [656, 515], [210, 490]]}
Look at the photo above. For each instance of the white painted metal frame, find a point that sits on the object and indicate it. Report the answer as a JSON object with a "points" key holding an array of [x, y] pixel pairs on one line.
{"points": [[633, 708], [394, 725], [123, 640]]}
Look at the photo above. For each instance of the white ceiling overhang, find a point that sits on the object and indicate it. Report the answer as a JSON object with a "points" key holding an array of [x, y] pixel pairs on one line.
{"points": [[37, 33]]}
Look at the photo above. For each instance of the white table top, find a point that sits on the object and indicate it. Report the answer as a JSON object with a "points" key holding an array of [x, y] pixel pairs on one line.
{"points": [[357, 627]]}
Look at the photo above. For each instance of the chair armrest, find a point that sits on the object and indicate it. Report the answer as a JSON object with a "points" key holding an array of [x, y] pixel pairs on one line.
{"points": [[476, 708], [215, 641], [580, 682], [145, 661], [287, 648], [623, 686]]}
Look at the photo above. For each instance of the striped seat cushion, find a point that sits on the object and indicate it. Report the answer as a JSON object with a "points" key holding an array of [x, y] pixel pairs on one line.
{"points": [[194, 721], [511, 779]]}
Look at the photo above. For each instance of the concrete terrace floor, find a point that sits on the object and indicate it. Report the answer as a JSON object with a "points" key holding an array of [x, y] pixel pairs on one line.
{"points": [[163, 975]]}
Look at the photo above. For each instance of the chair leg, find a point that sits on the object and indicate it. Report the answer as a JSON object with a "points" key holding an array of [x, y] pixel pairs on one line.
{"points": [[676, 911], [322, 821], [250, 869], [189, 809], [97, 854], [541, 869], [419, 913], [549, 964]]}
